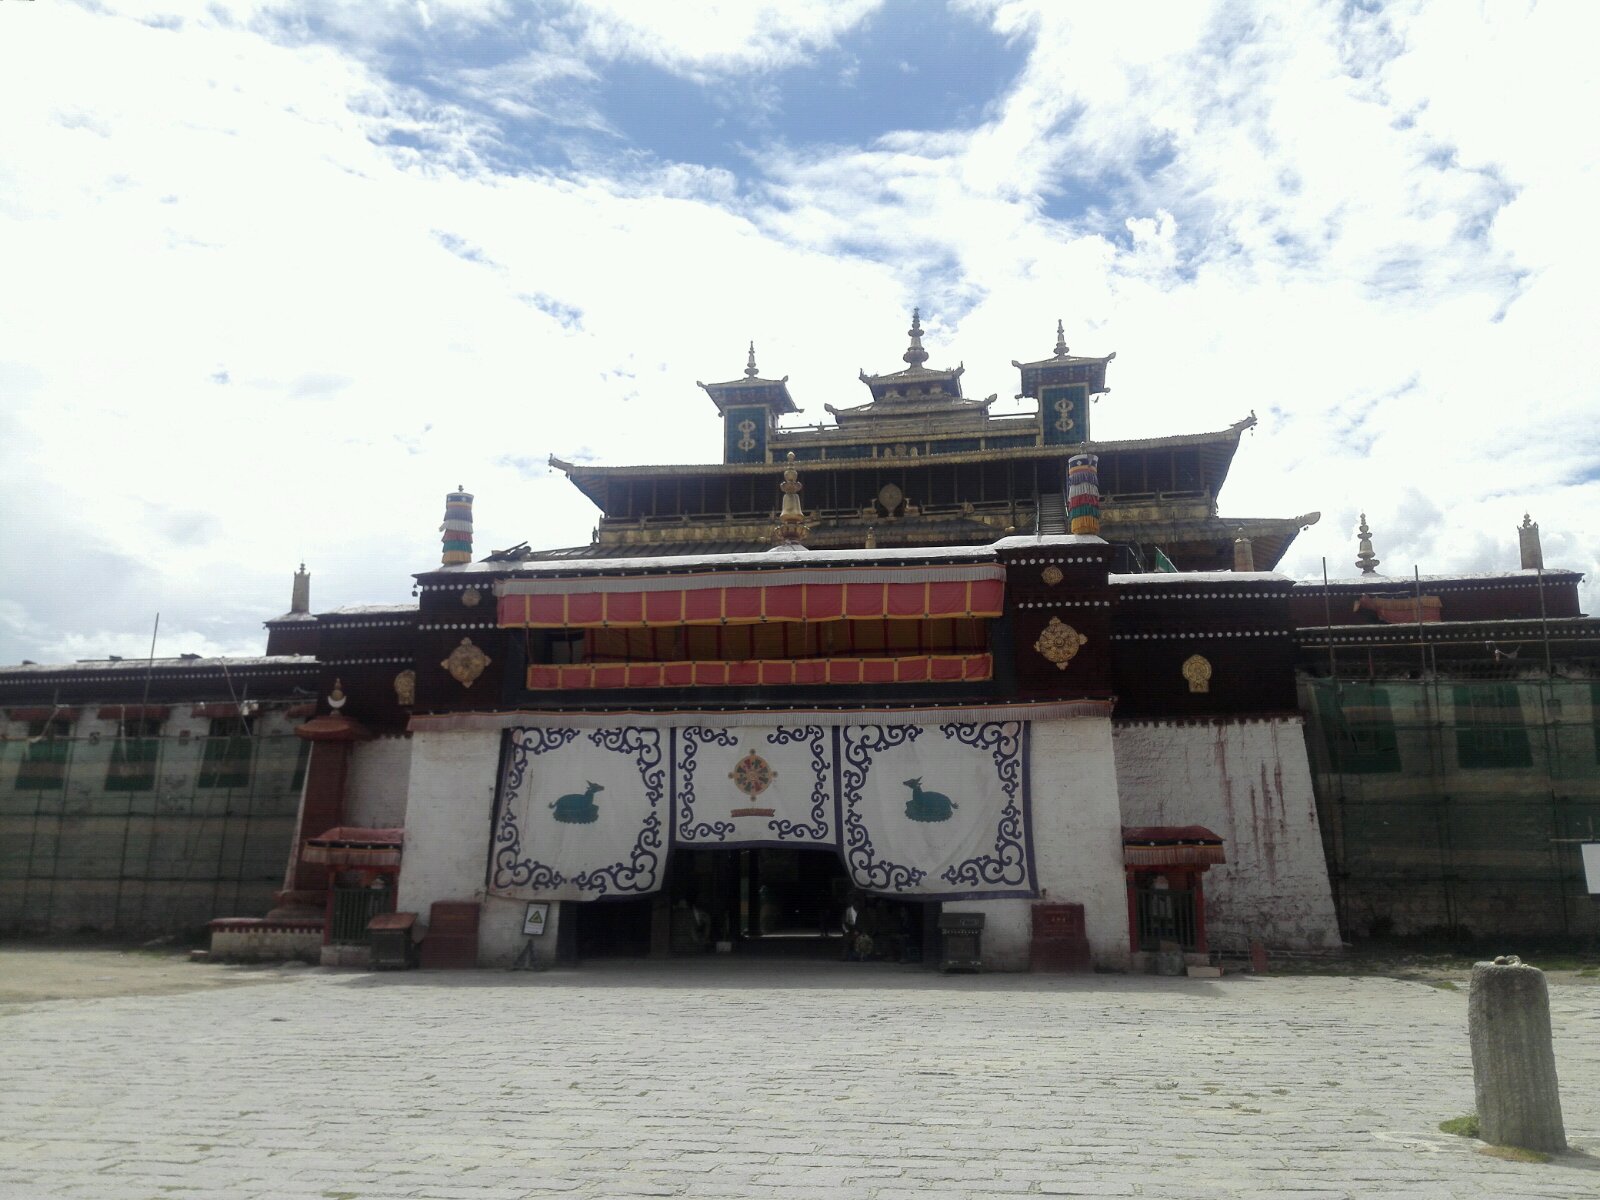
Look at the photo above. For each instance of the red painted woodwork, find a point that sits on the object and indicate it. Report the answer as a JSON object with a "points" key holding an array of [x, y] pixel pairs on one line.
{"points": [[452, 940]]}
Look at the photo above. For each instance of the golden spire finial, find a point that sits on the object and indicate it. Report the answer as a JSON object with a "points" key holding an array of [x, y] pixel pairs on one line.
{"points": [[1365, 558], [791, 527], [915, 354], [750, 371], [1061, 339]]}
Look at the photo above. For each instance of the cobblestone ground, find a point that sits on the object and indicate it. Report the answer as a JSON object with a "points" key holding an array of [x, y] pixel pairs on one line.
{"points": [[767, 1080]]}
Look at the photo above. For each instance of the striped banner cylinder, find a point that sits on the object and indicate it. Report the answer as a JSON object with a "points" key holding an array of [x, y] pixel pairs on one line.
{"points": [[457, 528], [1083, 493]]}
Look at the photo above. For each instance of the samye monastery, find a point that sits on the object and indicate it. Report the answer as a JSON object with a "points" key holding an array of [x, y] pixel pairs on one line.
{"points": [[919, 664]]}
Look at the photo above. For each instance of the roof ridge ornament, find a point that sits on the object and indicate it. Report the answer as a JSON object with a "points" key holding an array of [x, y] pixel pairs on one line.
{"points": [[791, 529], [915, 355], [1061, 339], [750, 371], [1365, 558]]}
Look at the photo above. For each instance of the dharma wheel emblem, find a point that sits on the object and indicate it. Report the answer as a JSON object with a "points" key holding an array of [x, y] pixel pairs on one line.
{"points": [[1051, 575], [466, 663], [1059, 643], [1197, 670], [405, 688], [752, 775]]}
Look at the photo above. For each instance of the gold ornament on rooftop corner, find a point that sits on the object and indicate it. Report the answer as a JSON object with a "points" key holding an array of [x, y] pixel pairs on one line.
{"points": [[466, 663], [1059, 643], [1197, 670]]}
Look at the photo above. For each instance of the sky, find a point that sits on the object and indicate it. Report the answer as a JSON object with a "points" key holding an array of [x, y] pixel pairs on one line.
{"points": [[275, 277]]}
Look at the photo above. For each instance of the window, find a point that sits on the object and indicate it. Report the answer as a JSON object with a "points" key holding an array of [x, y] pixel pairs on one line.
{"points": [[1358, 728], [134, 754], [1594, 717], [1489, 727], [226, 762], [44, 763]]}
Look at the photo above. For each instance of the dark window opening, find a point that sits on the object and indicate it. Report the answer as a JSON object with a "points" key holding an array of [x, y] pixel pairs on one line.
{"points": [[134, 754], [1358, 730], [1490, 731], [228, 752], [44, 763]]}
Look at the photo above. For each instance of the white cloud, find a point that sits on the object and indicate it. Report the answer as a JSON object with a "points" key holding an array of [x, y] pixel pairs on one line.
{"points": [[696, 36], [276, 304]]}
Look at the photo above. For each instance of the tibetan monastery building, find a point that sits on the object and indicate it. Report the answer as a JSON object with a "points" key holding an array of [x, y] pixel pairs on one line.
{"points": [[864, 668], [921, 665]]}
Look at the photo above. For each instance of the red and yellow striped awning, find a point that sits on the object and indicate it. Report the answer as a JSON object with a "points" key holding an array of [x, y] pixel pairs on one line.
{"points": [[920, 668], [816, 594]]}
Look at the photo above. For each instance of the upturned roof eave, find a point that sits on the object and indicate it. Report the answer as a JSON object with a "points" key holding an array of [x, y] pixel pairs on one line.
{"points": [[1220, 437], [1067, 360]]}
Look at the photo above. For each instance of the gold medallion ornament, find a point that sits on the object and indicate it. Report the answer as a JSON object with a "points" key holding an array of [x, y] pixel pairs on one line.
{"points": [[752, 775], [471, 597], [1197, 671], [1059, 643], [1051, 575], [405, 688], [466, 663]]}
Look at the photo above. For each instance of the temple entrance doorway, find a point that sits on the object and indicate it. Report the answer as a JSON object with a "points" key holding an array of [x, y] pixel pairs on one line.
{"points": [[761, 902], [758, 901], [787, 903]]}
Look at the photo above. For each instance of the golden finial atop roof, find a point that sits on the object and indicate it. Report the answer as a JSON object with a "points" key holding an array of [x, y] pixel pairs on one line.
{"points": [[1365, 558], [1061, 339], [791, 528], [915, 355], [750, 371]]}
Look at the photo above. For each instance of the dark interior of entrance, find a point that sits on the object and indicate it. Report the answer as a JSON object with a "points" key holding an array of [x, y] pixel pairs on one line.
{"points": [[775, 902]]}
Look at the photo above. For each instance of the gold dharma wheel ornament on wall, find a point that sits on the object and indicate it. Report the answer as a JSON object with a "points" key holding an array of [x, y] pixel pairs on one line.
{"points": [[1197, 670], [466, 663], [1051, 575], [1059, 643]]}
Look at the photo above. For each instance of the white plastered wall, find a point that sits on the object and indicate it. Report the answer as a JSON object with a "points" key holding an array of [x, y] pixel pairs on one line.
{"points": [[1077, 846], [1250, 783], [378, 782], [449, 811]]}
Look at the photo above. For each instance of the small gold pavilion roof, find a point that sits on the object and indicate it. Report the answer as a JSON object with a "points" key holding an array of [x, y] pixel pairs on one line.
{"points": [[916, 380], [752, 389], [1062, 367]]}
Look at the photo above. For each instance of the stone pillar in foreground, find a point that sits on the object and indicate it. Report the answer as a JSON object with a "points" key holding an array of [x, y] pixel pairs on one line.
{"points": [[1513, 1060]]}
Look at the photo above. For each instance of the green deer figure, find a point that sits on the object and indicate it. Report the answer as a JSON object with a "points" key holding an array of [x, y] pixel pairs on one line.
{"points": [[578, 808], [928, 806]]}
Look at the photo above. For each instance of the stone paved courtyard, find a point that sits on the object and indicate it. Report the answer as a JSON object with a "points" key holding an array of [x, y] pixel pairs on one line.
{"points": [[764, 1080]]}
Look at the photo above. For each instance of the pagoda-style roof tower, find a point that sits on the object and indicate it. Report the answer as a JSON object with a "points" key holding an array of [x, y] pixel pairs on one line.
{"points": [[922, 465], [750, 409], [914, 393]]}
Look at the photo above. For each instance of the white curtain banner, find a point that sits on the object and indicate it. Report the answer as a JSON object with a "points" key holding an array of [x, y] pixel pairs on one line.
{"points": [[914, 810], [937, 811], [581, 814], [753, 787]]}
